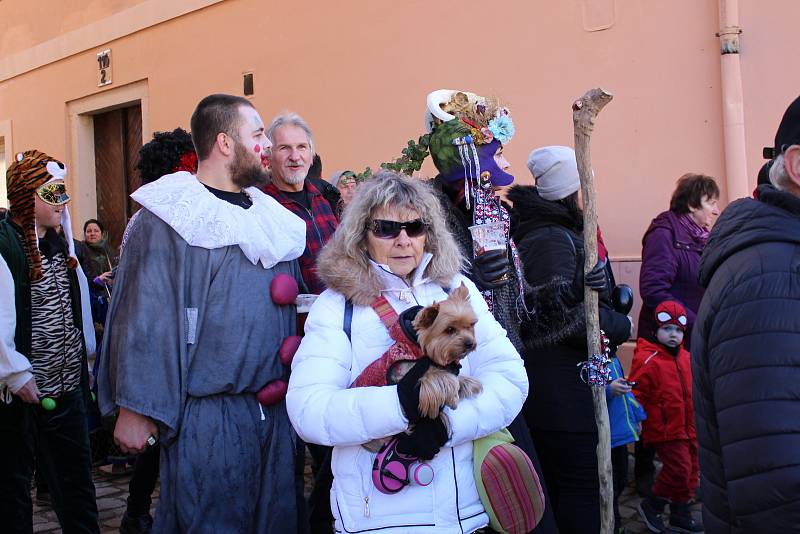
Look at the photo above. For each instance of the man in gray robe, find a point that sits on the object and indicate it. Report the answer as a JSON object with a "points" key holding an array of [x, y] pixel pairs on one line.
{"points": [[193, 333]]}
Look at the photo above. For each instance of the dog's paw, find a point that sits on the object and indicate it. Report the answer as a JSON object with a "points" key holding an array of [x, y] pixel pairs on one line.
{"points": [[452, 389], [431, 397], [468, 387]]}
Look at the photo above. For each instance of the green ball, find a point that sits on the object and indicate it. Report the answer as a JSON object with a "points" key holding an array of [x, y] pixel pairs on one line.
{"points": [[48, 404]]}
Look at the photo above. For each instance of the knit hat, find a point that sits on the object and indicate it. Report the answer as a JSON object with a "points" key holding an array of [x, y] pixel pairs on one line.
{"points": [[763, 173], [671, 312], [788, 133], [555, 170], [25, 176]]}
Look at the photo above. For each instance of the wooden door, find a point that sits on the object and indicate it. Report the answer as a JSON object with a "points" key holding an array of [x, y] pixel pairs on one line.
{"points": [[117, 140]]}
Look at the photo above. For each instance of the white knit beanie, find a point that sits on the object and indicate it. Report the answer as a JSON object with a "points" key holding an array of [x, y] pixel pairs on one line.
{"points": [[555, 170]]}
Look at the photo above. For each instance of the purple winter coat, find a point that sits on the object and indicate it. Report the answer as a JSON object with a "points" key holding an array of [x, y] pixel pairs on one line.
{"points": [[670, 266]]}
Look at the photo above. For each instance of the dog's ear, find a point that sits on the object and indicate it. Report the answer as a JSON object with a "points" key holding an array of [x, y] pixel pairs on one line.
{"points": [[461, 292], [426, 316]]}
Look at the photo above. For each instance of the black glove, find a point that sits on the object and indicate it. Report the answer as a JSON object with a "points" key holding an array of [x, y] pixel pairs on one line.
{"points": [[425, 440], [488, 268], [408, 389], [594, 279]]}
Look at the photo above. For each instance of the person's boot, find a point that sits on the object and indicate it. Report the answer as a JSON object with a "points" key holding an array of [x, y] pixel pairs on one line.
{"points": [[681, 520], [644, 484], [136, 524], [651, 510]]}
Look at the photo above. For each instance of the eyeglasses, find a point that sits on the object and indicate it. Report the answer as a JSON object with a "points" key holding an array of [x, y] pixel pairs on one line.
{"points": [[53, 193], [663, 317], [391, 229]]}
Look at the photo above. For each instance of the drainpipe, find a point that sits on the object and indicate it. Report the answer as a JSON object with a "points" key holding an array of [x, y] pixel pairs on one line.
{"points": [[732, 101]]}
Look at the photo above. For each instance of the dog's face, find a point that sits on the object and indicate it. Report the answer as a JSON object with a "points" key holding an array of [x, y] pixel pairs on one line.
{"points": [[446, 330]]}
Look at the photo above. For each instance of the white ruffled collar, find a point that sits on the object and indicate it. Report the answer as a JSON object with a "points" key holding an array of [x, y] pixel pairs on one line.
{"points": [[397, 285], [266, 232]]}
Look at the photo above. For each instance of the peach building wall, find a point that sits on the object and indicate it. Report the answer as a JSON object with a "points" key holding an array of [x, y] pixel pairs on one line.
{"points": [[359, 71]]}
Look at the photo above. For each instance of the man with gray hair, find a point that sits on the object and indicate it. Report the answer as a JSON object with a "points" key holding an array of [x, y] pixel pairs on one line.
{"points": [[746, 354], [292, 155]]}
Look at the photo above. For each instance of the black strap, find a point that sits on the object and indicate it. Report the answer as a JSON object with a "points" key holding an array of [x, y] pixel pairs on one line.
{"points": [[347, 323]]}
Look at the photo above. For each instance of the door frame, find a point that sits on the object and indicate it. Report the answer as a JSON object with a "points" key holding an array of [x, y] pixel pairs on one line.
{"points": [[82, 178], [8, 149]]}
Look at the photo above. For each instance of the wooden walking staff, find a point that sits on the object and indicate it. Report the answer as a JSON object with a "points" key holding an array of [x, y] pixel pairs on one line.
{"points": [[584, 113]]}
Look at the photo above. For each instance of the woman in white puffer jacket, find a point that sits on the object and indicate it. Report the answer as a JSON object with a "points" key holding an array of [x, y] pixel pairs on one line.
{"points": [[393, 242]]}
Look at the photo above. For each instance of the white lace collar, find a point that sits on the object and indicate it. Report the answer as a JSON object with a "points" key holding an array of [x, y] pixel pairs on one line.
{"points": [[266, 232]]}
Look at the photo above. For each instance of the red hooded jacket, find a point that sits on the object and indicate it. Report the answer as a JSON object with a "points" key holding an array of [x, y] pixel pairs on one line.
{"points": [[664, 388]]}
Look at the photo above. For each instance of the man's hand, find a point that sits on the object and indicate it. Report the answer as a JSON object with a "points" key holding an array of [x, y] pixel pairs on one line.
{"points": [[133, 430], [29, 392], [620, 386]]}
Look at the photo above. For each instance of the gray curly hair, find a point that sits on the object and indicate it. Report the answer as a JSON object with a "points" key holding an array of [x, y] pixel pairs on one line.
{"points": [[388, 189]]}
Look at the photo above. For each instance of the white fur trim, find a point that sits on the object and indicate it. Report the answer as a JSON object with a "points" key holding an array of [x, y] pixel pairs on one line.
{"points": [[56, 171]]}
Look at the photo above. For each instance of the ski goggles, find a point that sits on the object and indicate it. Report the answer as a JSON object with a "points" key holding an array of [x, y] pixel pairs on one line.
{"points": [[53, 192], [390, 229]]}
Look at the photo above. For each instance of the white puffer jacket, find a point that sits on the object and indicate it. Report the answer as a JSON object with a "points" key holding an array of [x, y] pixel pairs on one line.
{"points": [[324, 411]]}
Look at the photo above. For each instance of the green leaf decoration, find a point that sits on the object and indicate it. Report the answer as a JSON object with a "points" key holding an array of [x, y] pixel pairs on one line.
{"points": [[412, 157]]}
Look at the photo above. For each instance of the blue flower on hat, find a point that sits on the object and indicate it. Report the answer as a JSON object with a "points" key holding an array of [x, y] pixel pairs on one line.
{"points": [[502, 128]]}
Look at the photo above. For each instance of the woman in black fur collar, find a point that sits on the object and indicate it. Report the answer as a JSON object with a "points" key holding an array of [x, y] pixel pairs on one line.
{"points": [[559, 411]]}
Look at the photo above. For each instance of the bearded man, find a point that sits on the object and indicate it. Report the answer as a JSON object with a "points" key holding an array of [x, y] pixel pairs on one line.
{"points": [[193, 333], [292, 156]]}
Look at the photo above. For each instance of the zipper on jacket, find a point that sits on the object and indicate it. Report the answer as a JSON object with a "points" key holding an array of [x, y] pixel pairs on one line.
{"points": [[683, 394], [366, 492], [313, 223], [628, 418], [310, 216]]}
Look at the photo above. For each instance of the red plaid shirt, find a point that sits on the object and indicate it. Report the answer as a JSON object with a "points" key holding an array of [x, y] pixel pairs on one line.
{"points": [[320, 225]]}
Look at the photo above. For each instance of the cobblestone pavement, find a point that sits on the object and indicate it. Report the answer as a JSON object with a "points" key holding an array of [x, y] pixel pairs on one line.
{"points": [[112, 490]]}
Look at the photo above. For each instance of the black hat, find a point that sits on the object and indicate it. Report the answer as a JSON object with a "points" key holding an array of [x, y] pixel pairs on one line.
{"points": [[789, 130], [763, 174]]}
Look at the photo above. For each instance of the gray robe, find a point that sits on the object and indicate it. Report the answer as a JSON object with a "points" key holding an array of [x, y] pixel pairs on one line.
{"points": [[192, 334]]}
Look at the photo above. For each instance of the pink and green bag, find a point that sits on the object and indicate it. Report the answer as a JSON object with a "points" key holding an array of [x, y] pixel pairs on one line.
{"points": [[507, 484]]}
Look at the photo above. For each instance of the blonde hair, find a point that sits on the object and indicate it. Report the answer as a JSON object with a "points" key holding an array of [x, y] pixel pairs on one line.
{"points": [[389, 189]]}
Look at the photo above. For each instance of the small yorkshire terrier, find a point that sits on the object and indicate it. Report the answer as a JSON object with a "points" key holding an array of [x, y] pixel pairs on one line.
{"points": [[446, 333]]}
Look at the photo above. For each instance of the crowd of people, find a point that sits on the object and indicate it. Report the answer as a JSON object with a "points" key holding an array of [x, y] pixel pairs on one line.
{"points": [[218, 386]]}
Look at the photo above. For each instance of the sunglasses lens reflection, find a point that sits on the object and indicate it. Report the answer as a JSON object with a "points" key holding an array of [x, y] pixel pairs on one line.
{"points": [[391, 229]]}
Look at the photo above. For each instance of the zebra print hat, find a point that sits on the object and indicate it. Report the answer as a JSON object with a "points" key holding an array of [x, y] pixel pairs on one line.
{"points": [[29, 171]]}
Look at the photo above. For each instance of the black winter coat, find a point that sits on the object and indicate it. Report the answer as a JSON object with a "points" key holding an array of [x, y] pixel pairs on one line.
{"points": [[550, 241], [746, 367], [459, 219]]}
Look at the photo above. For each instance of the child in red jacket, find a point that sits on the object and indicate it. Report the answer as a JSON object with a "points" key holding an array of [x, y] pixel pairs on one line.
{"points": [[663, 376]]}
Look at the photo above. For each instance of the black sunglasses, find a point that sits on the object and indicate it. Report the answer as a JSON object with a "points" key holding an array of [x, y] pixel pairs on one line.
{"points": [[391, 229]]}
